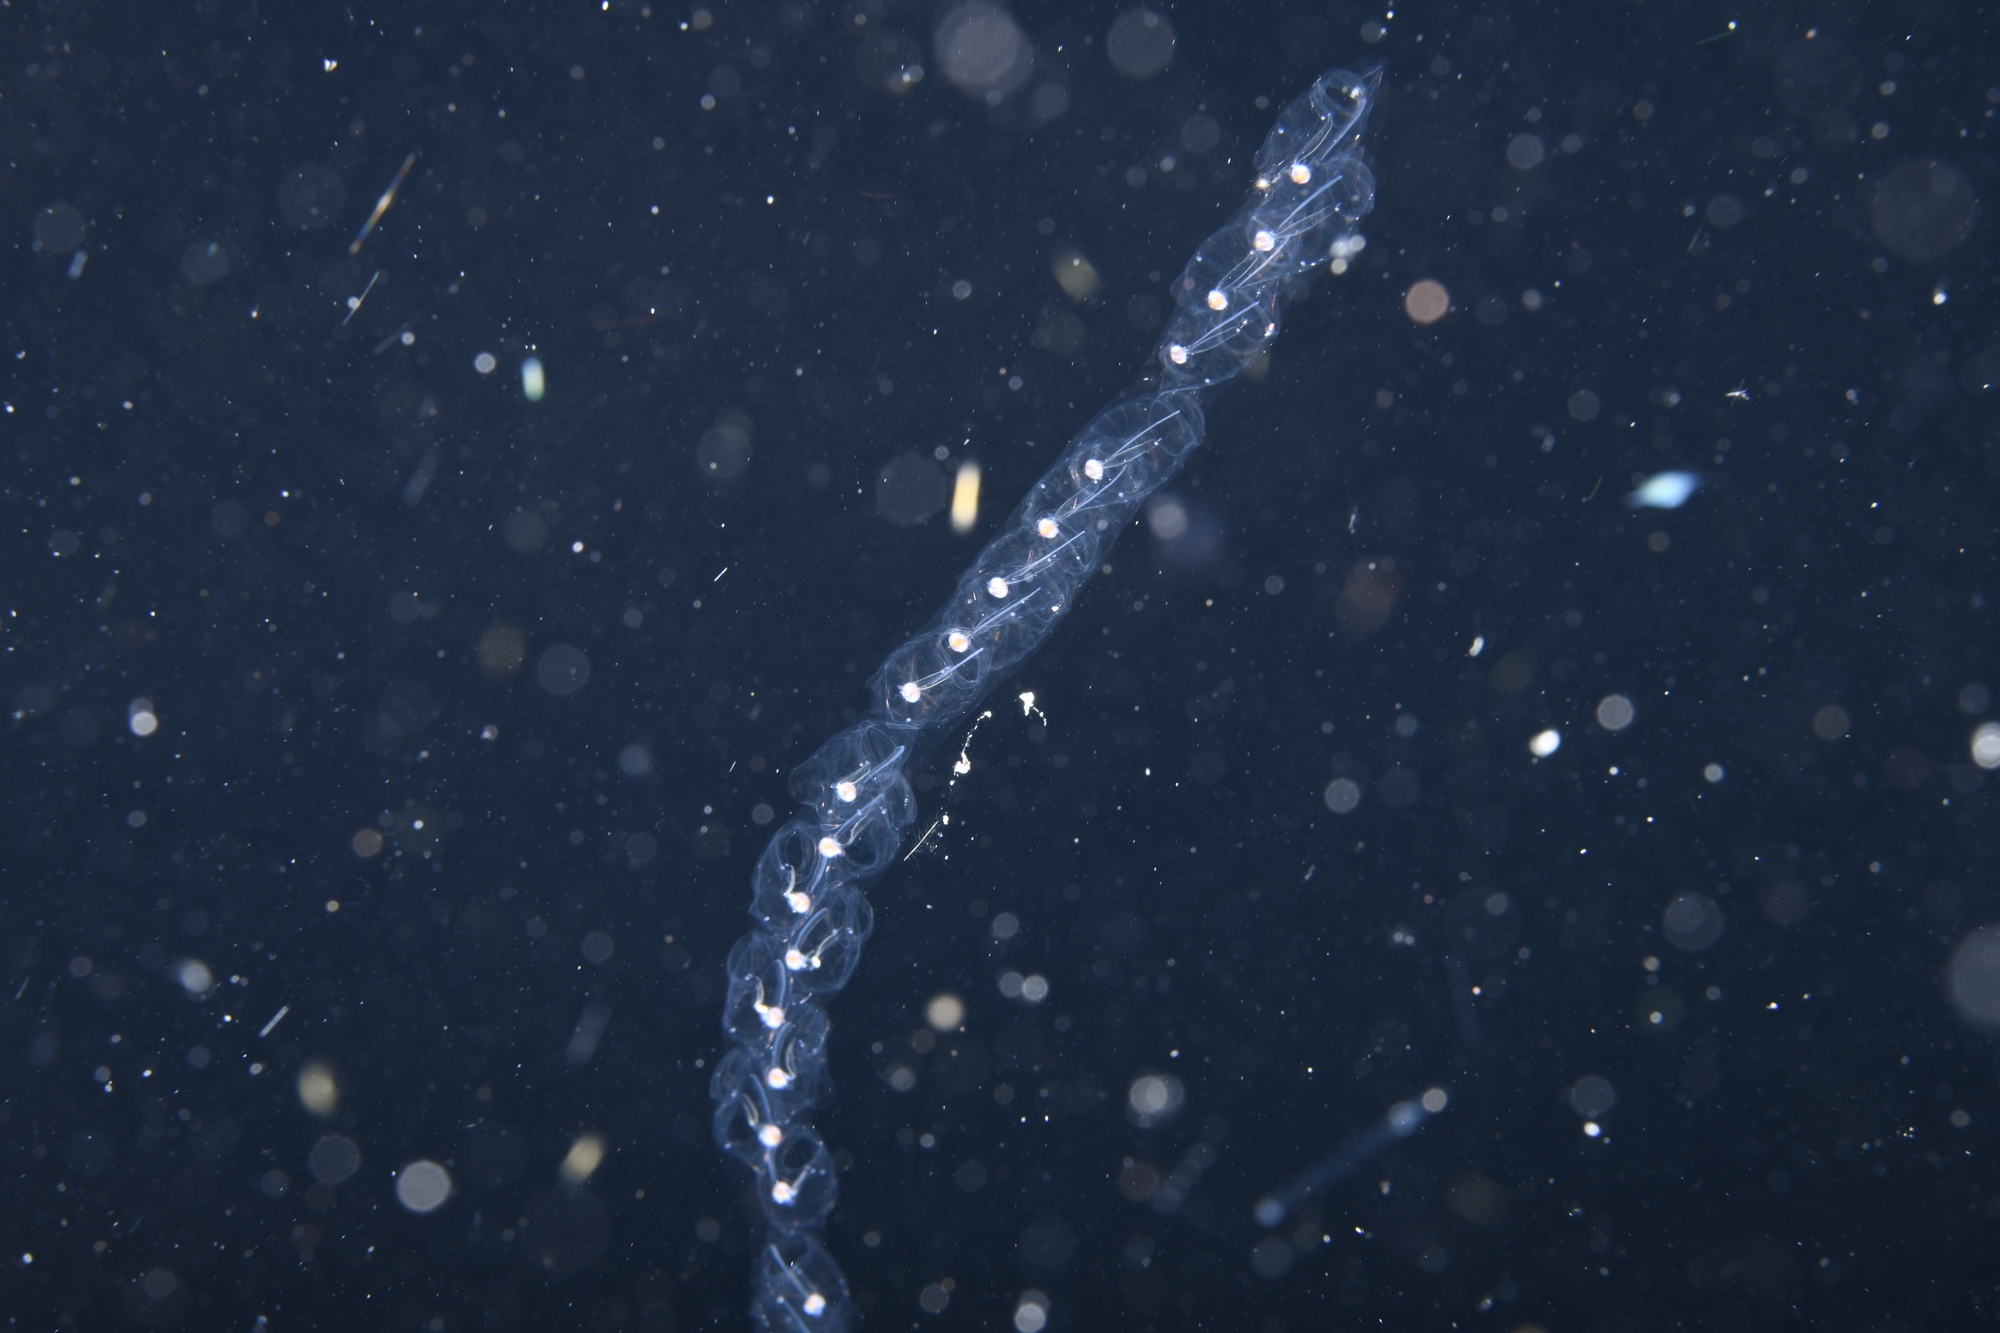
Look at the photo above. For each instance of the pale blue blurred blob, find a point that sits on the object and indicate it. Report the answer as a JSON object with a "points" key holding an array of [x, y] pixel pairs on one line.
{"points": [[1664, 490]]}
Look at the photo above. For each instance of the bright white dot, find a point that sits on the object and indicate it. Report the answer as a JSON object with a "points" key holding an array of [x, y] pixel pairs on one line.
{"points": [[194, 976], [423, 1186], [1986, 745], [144, 722], [1032, 1314], [1664, 490], [1592, 1129], [1614, 712], [1545, 743]]}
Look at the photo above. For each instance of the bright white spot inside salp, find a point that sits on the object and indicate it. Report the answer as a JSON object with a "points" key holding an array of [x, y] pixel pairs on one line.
{"points": [[1712, 773], [814, 1304], [1692, 922], [830, 847], [1545, 743], [945, 1012], [1664, 490], [1032, 1314], [1342, 795], [1154, 1099], [1973, 977], [1591, 1096], [770, 1136], [1301, 174], [996, 586], [1094, 468], [1218, 300], [958, 640], [1614, 712], [139, 716], [910, 691], [423, 1186], [1047, 529], [1986, 745], [194, 976]]}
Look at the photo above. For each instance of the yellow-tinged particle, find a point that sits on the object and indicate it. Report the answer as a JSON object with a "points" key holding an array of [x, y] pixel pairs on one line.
{"points": [[965, 497], [318, 1092], [582, 1159]]}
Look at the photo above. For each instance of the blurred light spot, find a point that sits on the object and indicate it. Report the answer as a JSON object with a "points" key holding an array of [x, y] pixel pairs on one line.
{"points": [[1591, 1096], [583, 1158], [945, 1012], [423, 1186], [1526, 151], [1615, 712], [1974, 976], [1154, 1099], [563, 669], [334, 1159], [1830, 723], [318, 1092], [982, 50], [194, 976], [1075, 275], [139, 716], [1664, 490], [909, 489], [1692, 922], [1712, 772], [533, 382], [1427, 301], [1986, 745], [1545, 743], [965, 497], [1140, 43]]}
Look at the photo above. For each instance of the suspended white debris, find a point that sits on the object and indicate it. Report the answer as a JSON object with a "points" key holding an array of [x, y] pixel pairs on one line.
{"points": [[1664, 490]]}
